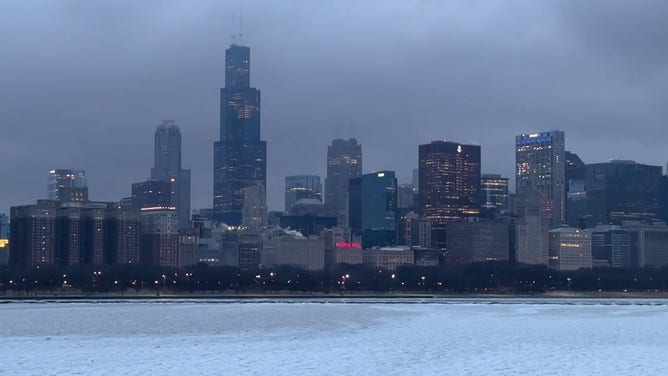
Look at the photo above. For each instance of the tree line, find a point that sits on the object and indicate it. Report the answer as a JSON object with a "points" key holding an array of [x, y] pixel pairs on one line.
{"points": [[485, 277]]}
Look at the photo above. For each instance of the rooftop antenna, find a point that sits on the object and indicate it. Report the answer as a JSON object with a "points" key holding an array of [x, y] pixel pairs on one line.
{"points": [[234, 26], [241, 22]]}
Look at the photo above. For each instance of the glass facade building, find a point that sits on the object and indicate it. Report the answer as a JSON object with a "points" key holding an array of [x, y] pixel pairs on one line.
{"points": [[540, 163], [344, 161], [373, 208], [449, 181], [167, 167], [67, 178], [620, 191], [494, 195], [301, 187], [240, 157]]}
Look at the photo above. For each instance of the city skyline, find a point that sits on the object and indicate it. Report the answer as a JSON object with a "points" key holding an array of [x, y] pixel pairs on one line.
{"points": [[185, 88]]}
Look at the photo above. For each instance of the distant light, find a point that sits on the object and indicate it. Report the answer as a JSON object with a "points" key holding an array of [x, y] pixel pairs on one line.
{"points": [[381, 174], [348, 245]]}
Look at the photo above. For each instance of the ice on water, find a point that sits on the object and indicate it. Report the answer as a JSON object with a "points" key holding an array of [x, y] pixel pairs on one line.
{"points": [[319, 337]]}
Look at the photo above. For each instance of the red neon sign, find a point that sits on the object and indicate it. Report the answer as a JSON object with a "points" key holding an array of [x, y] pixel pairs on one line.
{"points": [[349, 245]]}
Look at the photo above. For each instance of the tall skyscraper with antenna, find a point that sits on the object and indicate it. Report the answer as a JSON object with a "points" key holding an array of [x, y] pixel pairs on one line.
{"points": [[240, 156]]}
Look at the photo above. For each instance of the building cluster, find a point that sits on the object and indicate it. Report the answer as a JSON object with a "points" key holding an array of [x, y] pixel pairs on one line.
{"points": [[564, 213]]}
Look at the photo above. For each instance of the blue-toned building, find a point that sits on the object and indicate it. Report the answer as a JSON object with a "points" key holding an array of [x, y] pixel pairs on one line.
{"points": [[240, 156], [301, 187], [372, 208], [540, 163], [65, 178]]}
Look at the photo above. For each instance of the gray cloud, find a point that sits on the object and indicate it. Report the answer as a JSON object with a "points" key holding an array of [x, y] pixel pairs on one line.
{"points": [[83, 84]]}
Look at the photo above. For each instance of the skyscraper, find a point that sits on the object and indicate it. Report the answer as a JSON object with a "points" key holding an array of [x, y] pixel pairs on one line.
{"points": [[167, 167], [344, 161], [301, 186], [254, 216], [59, 178], [240, 157], [620, 191], [494, 195], [540, 163], [449, 181], [373, 208]]}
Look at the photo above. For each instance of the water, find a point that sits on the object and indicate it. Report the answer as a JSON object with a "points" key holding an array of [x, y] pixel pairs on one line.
{"points": [[320, 337]]}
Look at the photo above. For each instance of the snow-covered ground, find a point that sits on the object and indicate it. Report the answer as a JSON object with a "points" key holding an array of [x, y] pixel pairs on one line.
{"points": [[327, 338]]}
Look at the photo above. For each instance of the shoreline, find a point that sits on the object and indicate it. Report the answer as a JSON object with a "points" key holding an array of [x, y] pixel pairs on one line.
{"points": [[225, 295]]}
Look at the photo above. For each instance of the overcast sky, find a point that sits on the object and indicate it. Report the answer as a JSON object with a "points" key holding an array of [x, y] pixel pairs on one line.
{"points": [[83, 84]]}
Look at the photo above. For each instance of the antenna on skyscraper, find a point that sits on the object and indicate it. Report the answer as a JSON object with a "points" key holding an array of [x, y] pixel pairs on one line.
{"points": [[234, 26], [241, 22]]}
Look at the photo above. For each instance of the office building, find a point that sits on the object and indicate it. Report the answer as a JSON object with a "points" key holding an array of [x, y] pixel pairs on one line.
{"points": [[620, 191], [300, 187], [569, 249], [344, 161], [612, 247], [4, 226], [254, 214], [373, 208], [33, 235], [494, 195], [65, 178], [240, 156], [540, 163], [476, 241], [388, 258], [159, 241], [123, 233], [167, 167], [531, 237], [303, 253], [152, 194], [449, 180]]}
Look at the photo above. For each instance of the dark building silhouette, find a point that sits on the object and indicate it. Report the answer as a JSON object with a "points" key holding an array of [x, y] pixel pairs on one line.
{"points": [[151, 194], [540, 163], [122, 235], [300, 187], [33, 234], [373, 208], [167, 167], [344, 161], [68, 178], [493, 195], [240, 157], [449, 180], [623, 191], [159, 241], [574, 168]]}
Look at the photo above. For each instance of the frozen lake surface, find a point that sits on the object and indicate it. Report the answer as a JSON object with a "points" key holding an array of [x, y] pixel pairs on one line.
{"points": [[320, 337]]}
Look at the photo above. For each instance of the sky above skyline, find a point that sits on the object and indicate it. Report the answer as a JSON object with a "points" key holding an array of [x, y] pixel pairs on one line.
{"points": [[83, 84]]}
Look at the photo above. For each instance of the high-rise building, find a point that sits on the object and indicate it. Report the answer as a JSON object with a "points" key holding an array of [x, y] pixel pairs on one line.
{"points": [[159, 241], [531, 243], [123, 232], [65, 178], [240, 156], [477, 241], [373, 208], [301, 187], [167, 167], [449, 181], [623, 191], [4, 226], [33, 234], [151, 194], [494, 195], [344, 161], [540, 163], [569, 248], [254, 216]]}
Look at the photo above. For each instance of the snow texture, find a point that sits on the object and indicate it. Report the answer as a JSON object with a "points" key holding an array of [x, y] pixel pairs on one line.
{"points": [[321, 337]]}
